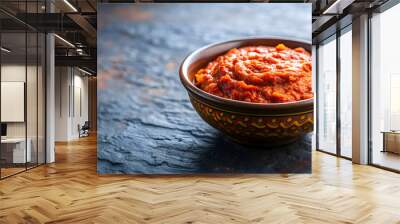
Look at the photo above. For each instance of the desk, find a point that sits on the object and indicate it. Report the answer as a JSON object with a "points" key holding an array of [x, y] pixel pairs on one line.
{"points": [[391, 141], [18, 150]]}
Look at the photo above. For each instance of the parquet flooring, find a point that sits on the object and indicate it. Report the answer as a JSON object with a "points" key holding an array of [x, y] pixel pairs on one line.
{"points": [[10, 171], [70, 191]]}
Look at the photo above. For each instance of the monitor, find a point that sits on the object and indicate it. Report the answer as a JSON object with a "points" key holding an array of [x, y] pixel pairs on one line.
{"points": [[3, 129]]}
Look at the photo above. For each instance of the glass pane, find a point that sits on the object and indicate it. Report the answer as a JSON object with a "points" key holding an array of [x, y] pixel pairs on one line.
{"points": [[346, 94], [13, 86], [386, 89], [327, 96], [31, 88], [31, 98], [41, 98], [314, 84]]}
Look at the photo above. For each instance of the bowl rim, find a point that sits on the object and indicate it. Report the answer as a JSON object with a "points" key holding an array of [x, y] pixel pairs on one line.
{"points": [[189, 85]]}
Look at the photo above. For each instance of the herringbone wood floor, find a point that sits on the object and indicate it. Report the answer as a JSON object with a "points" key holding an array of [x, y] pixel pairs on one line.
{"points": [[70, 191]]}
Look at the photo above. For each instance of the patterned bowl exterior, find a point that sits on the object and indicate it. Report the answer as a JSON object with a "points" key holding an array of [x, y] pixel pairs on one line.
{"points": [[256, 129]]}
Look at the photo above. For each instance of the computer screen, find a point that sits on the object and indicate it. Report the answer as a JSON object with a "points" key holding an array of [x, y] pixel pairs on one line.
{"points": [[3, 129]]}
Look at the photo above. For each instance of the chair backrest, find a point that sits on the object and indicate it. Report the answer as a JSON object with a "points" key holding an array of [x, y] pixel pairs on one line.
{"points": [[86, 124]]}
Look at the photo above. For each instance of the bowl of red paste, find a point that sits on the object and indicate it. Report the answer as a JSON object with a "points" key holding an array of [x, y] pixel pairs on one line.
{"points": [[256, 90]]}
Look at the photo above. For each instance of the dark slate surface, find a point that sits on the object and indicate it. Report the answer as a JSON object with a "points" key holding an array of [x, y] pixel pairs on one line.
{"points": [[146, 122]]}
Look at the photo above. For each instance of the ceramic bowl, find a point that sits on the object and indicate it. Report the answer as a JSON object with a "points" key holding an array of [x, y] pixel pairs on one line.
{"points": [[246, 122]]}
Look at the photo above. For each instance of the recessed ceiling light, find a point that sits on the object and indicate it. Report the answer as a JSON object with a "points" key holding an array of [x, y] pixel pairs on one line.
{"points": [[70, 5], [5, 49], [64, 40], [337, 7], [84, 71]]}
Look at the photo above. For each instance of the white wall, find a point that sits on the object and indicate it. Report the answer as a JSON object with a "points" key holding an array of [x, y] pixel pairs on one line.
{"points": [[16, 72], [80, 110], [13, 100], [71, 94], [62, 82]]}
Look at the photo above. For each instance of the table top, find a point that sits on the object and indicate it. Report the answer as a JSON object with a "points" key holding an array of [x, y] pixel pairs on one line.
{"points": [[13, 140], [146, 121], [391, 132]]}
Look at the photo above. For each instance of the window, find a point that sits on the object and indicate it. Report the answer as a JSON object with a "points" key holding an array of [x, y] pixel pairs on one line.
{"points": [[327, 96], [385, 89], [22, 78], [346, 92]]}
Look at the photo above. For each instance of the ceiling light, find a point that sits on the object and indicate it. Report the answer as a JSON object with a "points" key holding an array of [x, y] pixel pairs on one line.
{"points": [[65, 41], [5, 49], [79, 51], [337, 7], [326, 11], [84, 71], [70, 5]]}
